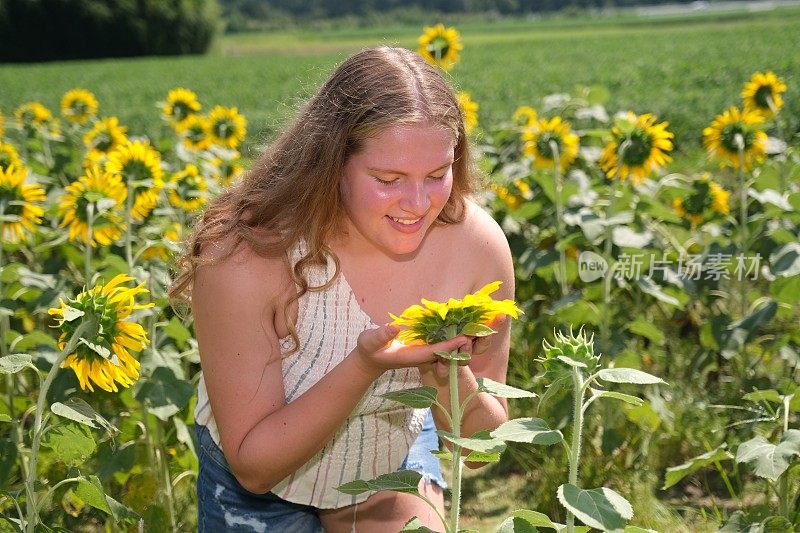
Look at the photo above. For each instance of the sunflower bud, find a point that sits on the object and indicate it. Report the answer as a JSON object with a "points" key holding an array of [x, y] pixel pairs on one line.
{"points": [[571, 350]]}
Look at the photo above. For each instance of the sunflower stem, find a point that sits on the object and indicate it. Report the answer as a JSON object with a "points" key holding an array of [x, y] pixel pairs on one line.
{"points": [[605, 330], [742, 219], [577, 430], [87, 267], [165, 472], [458, 462], [86, 325], [562, 258], [128, 223]]}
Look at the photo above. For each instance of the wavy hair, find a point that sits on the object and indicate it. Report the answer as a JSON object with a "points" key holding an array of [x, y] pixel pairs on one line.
{"points": [[292, 191]]}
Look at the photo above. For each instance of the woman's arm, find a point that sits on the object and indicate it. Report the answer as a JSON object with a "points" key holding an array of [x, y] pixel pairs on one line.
{"points": [[264, 439]]}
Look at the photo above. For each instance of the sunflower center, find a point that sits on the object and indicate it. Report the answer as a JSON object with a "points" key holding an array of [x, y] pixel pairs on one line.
{"points": [[79, 108], [103, 141], [223, 128], [195, 133], [136, 170], [729, 133], [188, 188], [441, 45], [7, 196], [181, 110], [763, 96], [636, 149], [5, 159], [543, 144], [699, 200]]}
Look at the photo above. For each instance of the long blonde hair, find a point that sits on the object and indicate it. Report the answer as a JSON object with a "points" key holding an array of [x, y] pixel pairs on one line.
{"points": [[292, 191]]}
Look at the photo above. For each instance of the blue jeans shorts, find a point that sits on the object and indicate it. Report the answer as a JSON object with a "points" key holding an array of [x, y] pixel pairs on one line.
{"points": [[224, 505]]}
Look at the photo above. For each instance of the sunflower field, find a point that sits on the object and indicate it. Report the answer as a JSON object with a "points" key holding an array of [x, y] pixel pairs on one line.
{"points": [[677, 246]]}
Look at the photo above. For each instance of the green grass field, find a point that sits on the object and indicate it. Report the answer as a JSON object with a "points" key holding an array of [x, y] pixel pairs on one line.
{"points": [[684, 69]]}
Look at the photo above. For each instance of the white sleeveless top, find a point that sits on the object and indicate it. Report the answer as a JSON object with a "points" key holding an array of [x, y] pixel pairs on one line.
{"points": [[376, 436]]}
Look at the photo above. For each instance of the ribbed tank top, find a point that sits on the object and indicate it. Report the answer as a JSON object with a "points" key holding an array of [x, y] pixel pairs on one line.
{"points": [[376, 436]]}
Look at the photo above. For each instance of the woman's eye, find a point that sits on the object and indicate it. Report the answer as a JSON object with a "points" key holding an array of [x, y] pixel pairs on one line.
{"points": [[437, 178], [384, 181]]}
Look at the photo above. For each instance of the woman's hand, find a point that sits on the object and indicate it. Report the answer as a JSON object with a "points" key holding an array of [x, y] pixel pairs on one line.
{"points": [[377, 351]]}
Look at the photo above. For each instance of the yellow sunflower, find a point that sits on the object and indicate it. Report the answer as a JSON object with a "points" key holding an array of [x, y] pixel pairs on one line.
{"points": [[434, 322], [226, 171], [78, 105], [19, 200], [196, 133], [104, 359], [9, 156], [139, 167], [514, 194], [32, 114], [440, 46], [469, 110], [538, 140], [187, 189], [524, 116], [705, 195], [638, 147], [763, 93], [106, 194], [105, 136], [226, 126], [734, 130], [180, 105], [165, 245]]}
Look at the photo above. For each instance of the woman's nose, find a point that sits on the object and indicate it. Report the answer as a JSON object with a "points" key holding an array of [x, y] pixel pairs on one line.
{"points": [[415, 198]]}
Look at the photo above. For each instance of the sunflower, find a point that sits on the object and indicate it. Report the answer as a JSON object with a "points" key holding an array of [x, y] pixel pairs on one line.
{"points": [[734, 130], [9, 156], [226, 171], [538, 139], [180, 105], [19, 200], [705, 195], [763, 93], [226, 126], [105, 136], [439, 46], [32, 114], [188, 189], [469, 110], [104, 358], [197, 133], [514, 194], [434, 322], [106, 194], [78, 105], [169, 237], [637, 148], [139, 167], [524, 116]]}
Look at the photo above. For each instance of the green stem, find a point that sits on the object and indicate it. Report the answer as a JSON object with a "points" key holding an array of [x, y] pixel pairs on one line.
{"points": [[54, 487], [742, 221], [562, 258], [781, 136], [458, 463], [87, 267], [165, 473], [784, 495], [37, 430], [128, 224], [577, 430], [605, 329]]}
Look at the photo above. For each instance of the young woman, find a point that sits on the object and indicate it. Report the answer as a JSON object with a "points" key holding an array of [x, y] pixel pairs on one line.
{"points": [[360, 208]]}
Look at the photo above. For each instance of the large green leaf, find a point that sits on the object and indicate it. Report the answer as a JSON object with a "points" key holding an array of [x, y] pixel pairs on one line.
{"points": [[770, 461], [418, 398], [627, 398], [677, 473], [601, 508], [740, 522], [72, 443], [177, 332], [401, 481], [628, 375], [78, 410], [91, 491], [528, 430], [415, 525], [648, 330], [485, 445], [785, 261], [542, 520], [164, 394], [743, 331], [502, 390], [11, 364], [516, 524]]}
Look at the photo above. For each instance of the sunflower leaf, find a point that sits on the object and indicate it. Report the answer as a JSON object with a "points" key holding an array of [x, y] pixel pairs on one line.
{"points": [[601, 508], [100, 350], [502, 390], [628, 375], [91, 491], [418, 398], [627, 398], [78, 410], [677, 473], [484, 443], [416, 526], [70, 313], [11, 364], [528, 430], [473, 329], [455, 355]]}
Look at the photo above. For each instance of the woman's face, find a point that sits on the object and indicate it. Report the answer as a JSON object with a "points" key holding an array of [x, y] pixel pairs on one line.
{"points": [[395, 187]]}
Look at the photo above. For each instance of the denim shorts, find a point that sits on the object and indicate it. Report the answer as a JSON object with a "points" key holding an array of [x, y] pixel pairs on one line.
{"points": [[224, 505]]}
